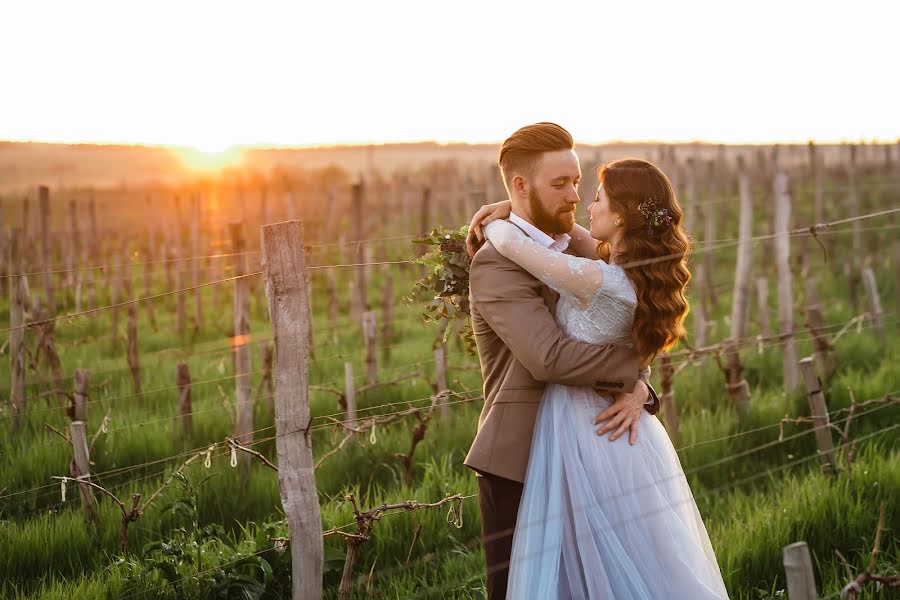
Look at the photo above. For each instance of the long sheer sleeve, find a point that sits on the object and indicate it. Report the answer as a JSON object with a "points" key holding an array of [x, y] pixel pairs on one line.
{"points": [[571, 275]]}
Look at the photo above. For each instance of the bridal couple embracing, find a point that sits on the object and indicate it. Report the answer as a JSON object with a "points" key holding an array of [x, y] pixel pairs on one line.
{"points": [[582, 494]]}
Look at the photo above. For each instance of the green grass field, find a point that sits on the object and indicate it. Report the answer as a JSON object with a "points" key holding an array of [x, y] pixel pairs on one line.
{"points": [[756, 494]]}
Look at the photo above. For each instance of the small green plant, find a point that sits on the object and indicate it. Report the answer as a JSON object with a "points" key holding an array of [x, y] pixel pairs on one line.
{"points": [[202, 562], [445, 284]]}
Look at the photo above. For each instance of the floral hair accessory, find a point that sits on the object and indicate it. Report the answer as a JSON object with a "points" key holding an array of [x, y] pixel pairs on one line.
{"points": [[657, 219]]}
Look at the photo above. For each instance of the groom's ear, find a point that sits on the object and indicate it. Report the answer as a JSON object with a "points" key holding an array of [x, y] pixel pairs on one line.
{"points": [[519, 186]]}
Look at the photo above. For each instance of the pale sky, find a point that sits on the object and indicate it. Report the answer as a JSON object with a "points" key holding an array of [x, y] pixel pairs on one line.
{"points": [[213, 74]]}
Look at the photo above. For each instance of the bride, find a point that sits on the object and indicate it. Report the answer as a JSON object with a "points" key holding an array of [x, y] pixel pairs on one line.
{"points": [[607, 518]]}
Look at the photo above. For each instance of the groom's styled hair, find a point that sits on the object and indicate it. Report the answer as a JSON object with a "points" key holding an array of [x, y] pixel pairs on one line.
{"points": [[522, 149]]}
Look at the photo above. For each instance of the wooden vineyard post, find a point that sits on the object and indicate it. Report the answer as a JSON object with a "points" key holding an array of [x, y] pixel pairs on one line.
{"points": [[80, 397], [284, 267], [82, 470], [782, 217], [709, 235], [349, 395], [762, 305], [440, 370], [183, 418], [868, 276], [819, 412], [370, 331], [333, 305], [737, 386], [133, 354], [17, 331], [177, 266], [195, 266], [46, 252], [668, 405], [72, 255], [115, 297], [815, 322], [387, 317], [425, 216], [801, 583], [240, 344], [359, 287]]}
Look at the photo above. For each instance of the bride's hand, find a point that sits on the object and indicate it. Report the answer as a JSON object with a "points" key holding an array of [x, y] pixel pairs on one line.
{"points": [[485, 214]]}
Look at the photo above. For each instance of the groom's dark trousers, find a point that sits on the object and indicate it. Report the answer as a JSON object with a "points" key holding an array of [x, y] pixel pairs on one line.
{"points": [[499, 502], [521, 348]]}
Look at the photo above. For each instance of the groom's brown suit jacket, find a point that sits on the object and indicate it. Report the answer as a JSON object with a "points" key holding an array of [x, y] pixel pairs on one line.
{"points": [[521, 350]]}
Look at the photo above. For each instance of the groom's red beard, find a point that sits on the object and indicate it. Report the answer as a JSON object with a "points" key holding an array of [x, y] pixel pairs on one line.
{"points": [[549, 223]]}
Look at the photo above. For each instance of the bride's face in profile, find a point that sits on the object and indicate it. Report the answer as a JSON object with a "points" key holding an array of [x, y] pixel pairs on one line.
{"points": [[603, 220]]}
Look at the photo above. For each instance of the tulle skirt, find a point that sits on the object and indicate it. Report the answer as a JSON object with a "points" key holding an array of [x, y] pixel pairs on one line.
{"points": [[607, 520]]}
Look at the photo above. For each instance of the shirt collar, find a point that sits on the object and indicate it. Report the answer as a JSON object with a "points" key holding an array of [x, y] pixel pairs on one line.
{"points": [[559, 243]]}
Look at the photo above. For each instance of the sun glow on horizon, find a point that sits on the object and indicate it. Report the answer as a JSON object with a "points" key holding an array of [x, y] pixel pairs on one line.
{"points": [[209, 157]]}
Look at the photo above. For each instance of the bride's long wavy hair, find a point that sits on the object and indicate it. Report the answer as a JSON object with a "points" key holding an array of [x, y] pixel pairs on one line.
{"points": [[654, 257]]}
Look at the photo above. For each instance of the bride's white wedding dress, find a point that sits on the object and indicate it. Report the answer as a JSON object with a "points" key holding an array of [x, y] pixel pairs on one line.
{"points": [[600, 519]]}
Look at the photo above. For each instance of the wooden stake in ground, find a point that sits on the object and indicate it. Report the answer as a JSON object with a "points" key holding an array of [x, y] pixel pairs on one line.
{"points": [[667, 401], [819, 412], [359, 231], [133, 353], [46, 252], [81, 470], [369, 334], [241, 344], [17, 332], [349, 395], [284, 266], [425, 223], [868, 276], [762, 305], [80, 397], [782, 241], [815, 321], [737, 386], [801, 583], [387, 316], [195, 262], [183, 417]]}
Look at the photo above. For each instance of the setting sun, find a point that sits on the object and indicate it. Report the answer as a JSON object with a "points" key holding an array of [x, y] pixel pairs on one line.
{"points": [[209, 157]]}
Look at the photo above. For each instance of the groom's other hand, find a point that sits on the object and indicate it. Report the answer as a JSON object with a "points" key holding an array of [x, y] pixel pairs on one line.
{"points": [[624, 413]]}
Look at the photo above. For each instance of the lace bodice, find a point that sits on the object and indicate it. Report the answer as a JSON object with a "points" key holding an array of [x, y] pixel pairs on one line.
{"points": [[597, 300]]}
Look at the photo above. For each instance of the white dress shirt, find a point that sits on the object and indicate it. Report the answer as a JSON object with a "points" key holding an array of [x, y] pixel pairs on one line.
{"points": [[558, 243]]}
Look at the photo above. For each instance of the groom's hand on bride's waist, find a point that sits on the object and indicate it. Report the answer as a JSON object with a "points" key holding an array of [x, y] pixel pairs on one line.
{"points": [[624, 413]]}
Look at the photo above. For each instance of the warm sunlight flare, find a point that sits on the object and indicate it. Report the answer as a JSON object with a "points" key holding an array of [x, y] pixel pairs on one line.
{"points": [[209, 157]]}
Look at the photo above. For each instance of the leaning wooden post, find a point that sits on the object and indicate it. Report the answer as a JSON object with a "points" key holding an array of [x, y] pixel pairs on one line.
{"points": [[668, 405], [819, 412], [785, 278], [17, 328], [80, 397], [737, 386], [44, 198], [284, 266], [240, 343], [349, 395], [868, 276], [183, 418], [801, 583], [82, 470], [853, 203], [369, 334]]}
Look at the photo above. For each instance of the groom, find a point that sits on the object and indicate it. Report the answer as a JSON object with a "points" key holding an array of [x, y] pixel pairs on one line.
{"points": [[520, 346]]}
